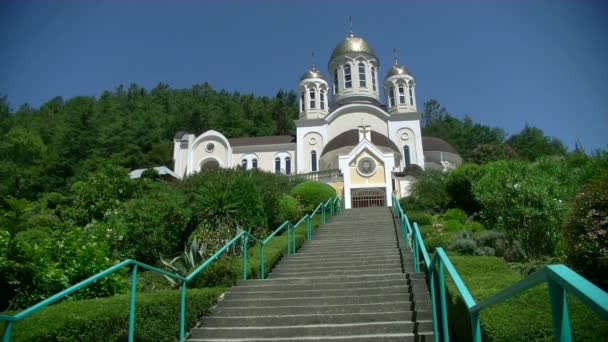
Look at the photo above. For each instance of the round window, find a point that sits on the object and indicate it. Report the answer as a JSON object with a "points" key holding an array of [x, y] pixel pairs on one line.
{"points": [[210, 147], [312, 141], [366, 166], [404, 136]]}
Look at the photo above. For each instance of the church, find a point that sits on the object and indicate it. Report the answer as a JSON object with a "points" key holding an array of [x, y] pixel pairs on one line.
{"points": [[346, 136]]}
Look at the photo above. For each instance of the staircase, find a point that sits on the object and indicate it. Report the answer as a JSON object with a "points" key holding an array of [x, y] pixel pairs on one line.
{"points": [[352, 282]]}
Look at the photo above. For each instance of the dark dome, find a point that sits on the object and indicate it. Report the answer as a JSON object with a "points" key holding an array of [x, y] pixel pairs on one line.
{"points": [[432, 144], [351, 138]]}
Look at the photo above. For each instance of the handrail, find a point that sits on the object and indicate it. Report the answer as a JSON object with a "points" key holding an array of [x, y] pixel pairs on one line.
{"points": [[559, 278], [243, 235]]}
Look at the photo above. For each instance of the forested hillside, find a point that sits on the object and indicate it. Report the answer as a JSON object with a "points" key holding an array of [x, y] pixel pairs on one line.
{"points": [[47, 149]]}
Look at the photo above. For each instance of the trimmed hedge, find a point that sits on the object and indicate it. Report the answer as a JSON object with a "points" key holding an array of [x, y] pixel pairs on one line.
{"points": [[107, 319], [525, 317], [311, 193]]}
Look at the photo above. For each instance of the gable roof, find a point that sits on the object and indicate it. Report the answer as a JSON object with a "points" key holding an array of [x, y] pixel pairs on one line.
{"points": [[351, 138]]}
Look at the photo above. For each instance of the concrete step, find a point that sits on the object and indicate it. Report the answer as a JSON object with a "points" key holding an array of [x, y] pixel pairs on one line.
{"points": [[316, 293], [386, 254], [320, 309], [219, 321], [298, 300], [312, 330], [350, 277], [324, 267], [262, 286], [331, 273], [392, 337]]}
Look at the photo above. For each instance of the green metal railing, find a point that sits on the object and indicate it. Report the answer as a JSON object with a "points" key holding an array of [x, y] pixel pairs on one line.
{"points": [[559, 278], [243, 236]]}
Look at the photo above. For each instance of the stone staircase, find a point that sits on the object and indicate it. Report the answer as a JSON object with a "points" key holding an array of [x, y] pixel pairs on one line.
{"points": [[352, 282]]}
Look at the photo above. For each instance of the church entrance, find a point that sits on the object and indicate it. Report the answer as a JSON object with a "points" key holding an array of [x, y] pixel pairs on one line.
{"points": [[371, 197]]}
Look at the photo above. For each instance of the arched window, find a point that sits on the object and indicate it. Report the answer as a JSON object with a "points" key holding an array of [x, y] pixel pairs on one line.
{"points": [[312, 99], [254, 164], [322, 98], [401, 94], [406, 155], [362, 80], [411, 96], [302, 102], [277, 165], [244, 164], [313, 161], [335, 81], [287, 165], [374, 78], [391, 96], [348, 82]]}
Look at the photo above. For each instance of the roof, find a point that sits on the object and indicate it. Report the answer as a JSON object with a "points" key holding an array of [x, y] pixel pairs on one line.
{"points": [[397, 69], [352, 44], [312, 73], [351, 138], [162, 170], [437, 144], [268, 140]]}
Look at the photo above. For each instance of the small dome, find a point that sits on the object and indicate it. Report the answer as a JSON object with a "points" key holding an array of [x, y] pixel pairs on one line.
{"points": [[397, 69], [352, 44], [312, 73]]}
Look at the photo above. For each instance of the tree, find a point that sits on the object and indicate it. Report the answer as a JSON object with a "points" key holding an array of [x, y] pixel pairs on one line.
{"points": [[531, 144], [433, 112]]}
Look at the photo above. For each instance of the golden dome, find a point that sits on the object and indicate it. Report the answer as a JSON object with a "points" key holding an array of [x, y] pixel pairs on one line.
{"points": [[352, 44], [397, 69], [312, 73]]}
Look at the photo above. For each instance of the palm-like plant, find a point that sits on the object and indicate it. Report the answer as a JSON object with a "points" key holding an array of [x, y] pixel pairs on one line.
{"points": [[187, 262], [217, 205]]}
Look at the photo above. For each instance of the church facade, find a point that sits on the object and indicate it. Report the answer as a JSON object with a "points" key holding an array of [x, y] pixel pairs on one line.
{"points": [[346, 136]]}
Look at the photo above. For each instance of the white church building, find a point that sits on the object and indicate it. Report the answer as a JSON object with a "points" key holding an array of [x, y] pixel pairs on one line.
{"points": [[346, 136]]}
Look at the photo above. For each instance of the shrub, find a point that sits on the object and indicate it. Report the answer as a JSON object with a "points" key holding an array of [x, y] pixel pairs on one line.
{"points": [[106, 319], [420, 217], [464, 246], [410, 203], [500, 244], [433, 238], [452, 226], [525, 317], [289, 209], [526, 201], [311, 193], [586, 231], [455, 214], [429, 190], [459, 186], [474, 226]]}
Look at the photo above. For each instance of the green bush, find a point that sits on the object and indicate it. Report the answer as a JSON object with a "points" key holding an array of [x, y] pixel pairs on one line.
{"points": [[429, 191], [289, 209], [311, 193], [453, 226], [586, 231], [525, 317], [106, 319], [433, 238], [527, 201], [500, 245], [409, 203], [420, 217], [474, 226], [459, 186], [455, 214]]}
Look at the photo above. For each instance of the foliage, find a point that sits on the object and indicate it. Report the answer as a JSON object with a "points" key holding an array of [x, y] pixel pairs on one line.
{"points": [[452, 226], [185, 263], [455, 214], [526, 201], [409, 203], [310, 194], [146, 228], [531, 144], [526, 317], [459, 186], [106, 319], [586, 230], [485, 153], [289, 209], [429, 190], [434, 238], [420, 217]]}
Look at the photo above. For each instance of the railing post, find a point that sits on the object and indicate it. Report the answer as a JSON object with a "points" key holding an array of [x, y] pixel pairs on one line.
{"points": [[559, 312], [289, 239], [433, 301], [132, 302], [475, 327], [182, 312], [245, 257], [444, 311], [293, 238], [309, 228], [8, 328], [262, 261]]}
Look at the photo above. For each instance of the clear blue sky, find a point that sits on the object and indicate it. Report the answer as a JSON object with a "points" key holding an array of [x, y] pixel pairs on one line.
{"points": [[502, 63]]}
